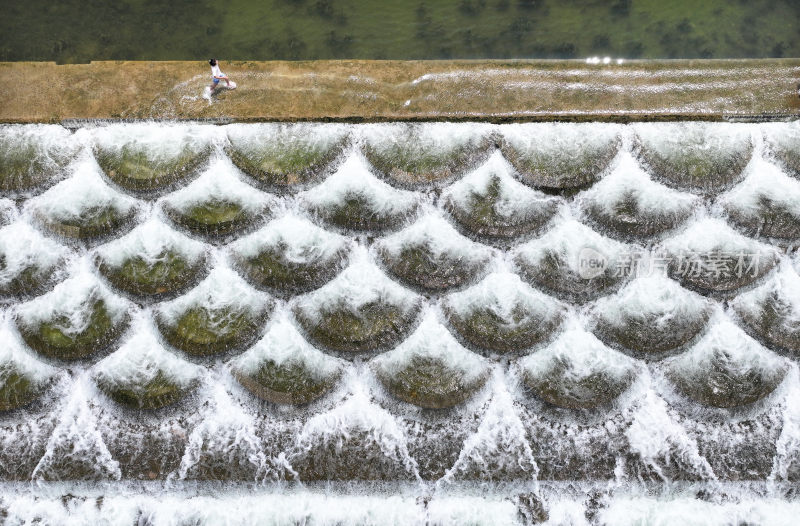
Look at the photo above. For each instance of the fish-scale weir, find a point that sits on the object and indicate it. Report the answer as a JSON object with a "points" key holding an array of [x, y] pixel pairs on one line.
{"points": [[431, 323]]}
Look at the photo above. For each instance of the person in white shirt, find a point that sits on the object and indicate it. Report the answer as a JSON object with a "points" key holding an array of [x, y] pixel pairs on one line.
{"points": [[217, 74]]}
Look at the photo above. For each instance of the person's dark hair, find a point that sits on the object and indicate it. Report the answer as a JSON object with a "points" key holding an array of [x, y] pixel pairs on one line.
{"points": [[213, 62]]}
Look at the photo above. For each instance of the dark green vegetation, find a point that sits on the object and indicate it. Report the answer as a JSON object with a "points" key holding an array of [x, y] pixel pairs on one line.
{"points": [[429, 383], [158, 392], [52, 338], [487, 216], [138, 170], [285, 161], [369, 327], [286, 383], [202, 331], [212, 218], [166, 275], [93, 223], [418, 265], [271, 270], [691, 163], [409, 160], [483, 328], [551, 168], [358, 212], [16, 389], [79, 31]]}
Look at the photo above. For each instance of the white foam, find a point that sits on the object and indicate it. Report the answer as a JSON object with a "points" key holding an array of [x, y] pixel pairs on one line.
{"points": [[583, 356], [634, 511], [72, 300], [458, 511], [671, 140], [160, 141], [149, 241], [421, 139], [626, 178], [503, 293], [514, 197], [439, 236], [568, 240], [274, 138], [76, 439], [50, 143], [222, 289], [15, 359], [658, 300], [354, 415], [726, 346], [141, 358], [711, 234], [219, 181], [361, 283], [433, 341], [560, 143], [500, 445], [83, 191], [22, 246], [283, 344], [764, 180], [785, 284], [304, 242], [353, 177]]}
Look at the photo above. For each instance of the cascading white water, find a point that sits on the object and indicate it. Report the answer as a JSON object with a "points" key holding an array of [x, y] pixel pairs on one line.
{"points": [[402, 324]]}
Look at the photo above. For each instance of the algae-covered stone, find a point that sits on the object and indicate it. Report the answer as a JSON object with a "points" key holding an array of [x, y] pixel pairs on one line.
{"points": [[218, 204], [713, 259], [283, 368], [699, 157], [164, 275], [355, 200], [577, 372], [490, 204], [771, 312], [285, 157], [419, 154], [766, 204], [726, 369], [783, 142], [502, 314], [430, 369], [31, 156], [290, 256], [222, 313], [152, 262], [574, 263], [84, 207], [212, 218], [361, 310], [61, 338], [652, 315], [560, 156], [432, 256], [29, 263], [144, 159], [142, 375], [627, 205], [22, 378]]}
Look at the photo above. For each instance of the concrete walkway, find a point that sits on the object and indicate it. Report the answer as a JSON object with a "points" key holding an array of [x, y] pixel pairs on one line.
{"points": [[414, 90]]}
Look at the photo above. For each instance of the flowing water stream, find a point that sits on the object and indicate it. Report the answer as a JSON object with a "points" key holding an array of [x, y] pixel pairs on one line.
{"points": [[400, 323]]}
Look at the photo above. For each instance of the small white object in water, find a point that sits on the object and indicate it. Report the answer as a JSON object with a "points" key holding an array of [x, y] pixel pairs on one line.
{"points": [[607, 60], [407, 103]]}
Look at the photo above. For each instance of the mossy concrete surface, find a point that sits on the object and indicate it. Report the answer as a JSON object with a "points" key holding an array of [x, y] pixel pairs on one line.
{"points": [[357, 90]]}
